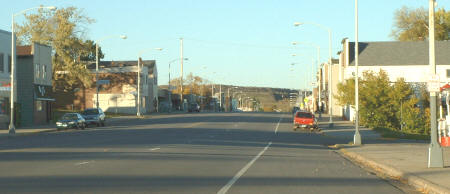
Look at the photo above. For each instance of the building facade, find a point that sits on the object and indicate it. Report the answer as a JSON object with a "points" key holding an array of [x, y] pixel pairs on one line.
{"points": [[408, 60], [34, 83], [5, 77], [118, 88]]}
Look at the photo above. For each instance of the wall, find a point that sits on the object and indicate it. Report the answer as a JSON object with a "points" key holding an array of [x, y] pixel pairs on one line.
{"points": [[5, 48], [25, 89], [336, 108], [42, 56], [412, 73]]}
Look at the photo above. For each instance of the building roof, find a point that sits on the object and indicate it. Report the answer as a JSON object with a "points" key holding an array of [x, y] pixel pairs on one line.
{"points": [[5, 32], [398, 53]]}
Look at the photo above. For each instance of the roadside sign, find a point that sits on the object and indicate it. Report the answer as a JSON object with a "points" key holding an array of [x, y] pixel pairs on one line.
{"points": [[314, 84], [434, 84], [102, 82]]}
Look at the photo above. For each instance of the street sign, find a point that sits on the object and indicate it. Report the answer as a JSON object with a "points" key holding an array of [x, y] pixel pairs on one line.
{"points": [[434, 84], [314, 84], [102, 82]]}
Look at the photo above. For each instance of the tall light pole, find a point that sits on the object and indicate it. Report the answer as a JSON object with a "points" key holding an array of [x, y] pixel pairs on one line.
{"points": [[435, 158], [330, 69], [357, 136], [312, 73], [229, 98], [169, 87], [318, 63], [181, 79], [12, 128], [138, 112], [97, 61]]}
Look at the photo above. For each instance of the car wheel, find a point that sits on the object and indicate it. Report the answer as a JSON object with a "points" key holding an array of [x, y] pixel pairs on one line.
{"points": [[83, 126], [98, 124], [103, 123]]}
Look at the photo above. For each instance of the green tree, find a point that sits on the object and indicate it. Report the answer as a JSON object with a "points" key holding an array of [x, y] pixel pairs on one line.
{"points": [[64, 30], [346, 92], [374, 98], [412, 24], [385, 105]]}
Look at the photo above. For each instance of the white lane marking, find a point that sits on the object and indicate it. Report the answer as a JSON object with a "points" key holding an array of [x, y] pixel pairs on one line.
{"points": [[153, 149], [242, 171], [81, 163], [276, 129], [246, 167]]}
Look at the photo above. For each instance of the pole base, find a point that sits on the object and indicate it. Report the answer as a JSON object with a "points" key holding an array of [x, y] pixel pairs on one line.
{"points": [[435, 158], [357, 138], [12, 129], [330, 125]]}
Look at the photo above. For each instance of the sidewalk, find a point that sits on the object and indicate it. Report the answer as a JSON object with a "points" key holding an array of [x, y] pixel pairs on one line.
{"points": [[52, 128], [405, 160]]}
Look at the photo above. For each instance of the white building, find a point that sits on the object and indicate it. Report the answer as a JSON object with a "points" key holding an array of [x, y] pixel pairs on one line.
{"points": [[118, 90], [5, 77], [398, 59]]}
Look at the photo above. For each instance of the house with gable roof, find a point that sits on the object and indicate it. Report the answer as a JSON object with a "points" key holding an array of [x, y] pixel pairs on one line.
{"points": [[398, 59]]}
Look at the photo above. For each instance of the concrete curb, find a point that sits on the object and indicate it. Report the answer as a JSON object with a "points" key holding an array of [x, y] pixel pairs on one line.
{"points": [[28, 133], [49, 130], [418, 183]]}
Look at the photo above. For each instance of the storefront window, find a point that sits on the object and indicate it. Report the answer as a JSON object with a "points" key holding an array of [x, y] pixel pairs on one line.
{"points": [[4, 102], [38, 105]]}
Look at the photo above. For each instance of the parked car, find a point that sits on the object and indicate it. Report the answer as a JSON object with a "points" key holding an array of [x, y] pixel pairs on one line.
{"points": [[71, 120], [194, 107], [94, 116], [305, 120]]}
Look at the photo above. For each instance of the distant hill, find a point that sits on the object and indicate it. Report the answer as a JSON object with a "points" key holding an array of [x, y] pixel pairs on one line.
{"points": [[269, 98]]}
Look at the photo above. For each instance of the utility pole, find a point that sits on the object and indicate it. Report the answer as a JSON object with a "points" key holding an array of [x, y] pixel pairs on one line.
{"points": [[220, 96], [435, 158], [181, 80], [212, 97]]}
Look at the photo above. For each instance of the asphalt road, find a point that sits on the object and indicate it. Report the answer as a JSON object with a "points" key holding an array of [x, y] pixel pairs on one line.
{"points": [[184, 153]]}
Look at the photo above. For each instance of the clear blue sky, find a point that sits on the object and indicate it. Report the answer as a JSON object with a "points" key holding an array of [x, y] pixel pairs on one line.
{"points": [[244, 42]]}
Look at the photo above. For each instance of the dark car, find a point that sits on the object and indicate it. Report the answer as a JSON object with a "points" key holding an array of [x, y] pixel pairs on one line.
{"points": [[94, 116], [194, 107], [71, 120]]}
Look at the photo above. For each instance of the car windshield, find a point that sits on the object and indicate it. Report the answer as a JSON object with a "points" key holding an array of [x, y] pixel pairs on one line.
{"points": [[304, 115], [70, 117], [90, 112]]}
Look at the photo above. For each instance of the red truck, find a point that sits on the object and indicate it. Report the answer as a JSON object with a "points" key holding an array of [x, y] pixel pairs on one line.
{"points": [[305, 120]]}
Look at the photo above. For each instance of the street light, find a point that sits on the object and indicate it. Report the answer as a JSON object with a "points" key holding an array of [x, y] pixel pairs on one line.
{"points": [[435, 157], [12, 128], [357, 136], [97, 60], [312, 78], [330, 87], [229, 98], [138, 112], [169, 88], [318, 65]]}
